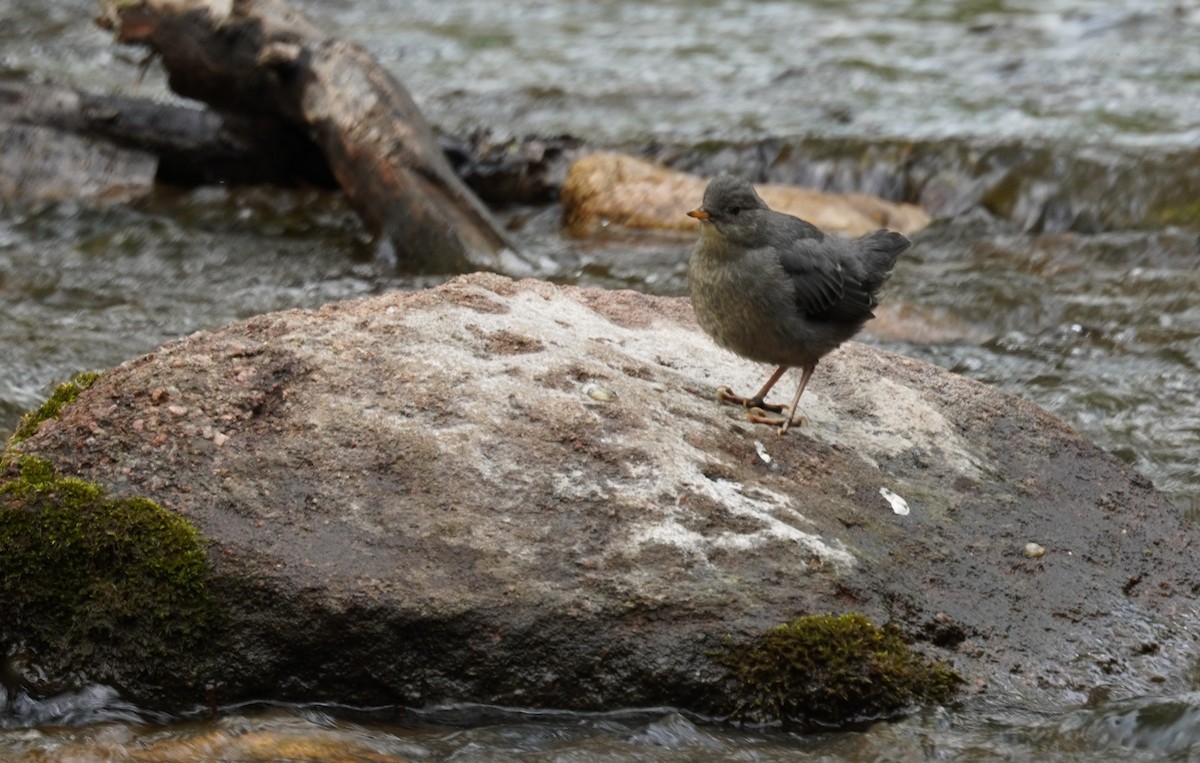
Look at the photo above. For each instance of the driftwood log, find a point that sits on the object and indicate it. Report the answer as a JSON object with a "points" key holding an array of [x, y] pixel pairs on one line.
{"points": [[58, 142], [39, 162], [261, 58]]}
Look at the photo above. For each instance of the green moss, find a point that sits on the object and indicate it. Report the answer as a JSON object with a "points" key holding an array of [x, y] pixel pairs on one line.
{"points": [[110, 586], [1186, 214], [63, 395], [829, 670]]}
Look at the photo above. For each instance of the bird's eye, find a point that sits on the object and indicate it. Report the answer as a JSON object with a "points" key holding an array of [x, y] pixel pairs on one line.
{"points": [[735, 210]]}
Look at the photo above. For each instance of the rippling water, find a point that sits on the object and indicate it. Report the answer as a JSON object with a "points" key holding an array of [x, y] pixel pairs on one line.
{"points": [[620, 70], [614, 70], [1097, 321], [1132, 731]]}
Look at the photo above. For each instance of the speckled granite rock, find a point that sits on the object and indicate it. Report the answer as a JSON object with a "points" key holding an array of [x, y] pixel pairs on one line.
{"points": [[524, 494]]}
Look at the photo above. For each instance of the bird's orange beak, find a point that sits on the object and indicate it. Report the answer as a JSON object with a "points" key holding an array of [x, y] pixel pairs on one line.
{"points": [[699, 213]]}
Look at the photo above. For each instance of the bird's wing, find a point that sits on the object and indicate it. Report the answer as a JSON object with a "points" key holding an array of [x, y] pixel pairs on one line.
{"points": [[816, 276], [818, 279], [826, 284]]}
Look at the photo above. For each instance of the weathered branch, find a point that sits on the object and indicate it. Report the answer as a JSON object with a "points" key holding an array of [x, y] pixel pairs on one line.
{"points": [[263, 58], [136, 142]]}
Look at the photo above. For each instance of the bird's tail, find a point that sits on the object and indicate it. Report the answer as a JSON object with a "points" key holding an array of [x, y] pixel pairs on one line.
{"points": [[879, 252]]}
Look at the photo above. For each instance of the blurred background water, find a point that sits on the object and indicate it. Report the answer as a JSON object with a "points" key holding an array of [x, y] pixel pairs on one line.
{"points": [[1057, 143]]}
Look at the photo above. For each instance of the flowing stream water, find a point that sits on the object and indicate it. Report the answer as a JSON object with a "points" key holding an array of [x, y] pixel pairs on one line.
{"points": [[1057, 148]]}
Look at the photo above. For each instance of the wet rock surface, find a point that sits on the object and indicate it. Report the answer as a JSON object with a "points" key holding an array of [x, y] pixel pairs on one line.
{"points": [[523, 494]]}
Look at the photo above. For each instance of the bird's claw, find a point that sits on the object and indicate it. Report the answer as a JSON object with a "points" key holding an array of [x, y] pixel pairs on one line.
{"points": [[757, 415], [727, 395]]}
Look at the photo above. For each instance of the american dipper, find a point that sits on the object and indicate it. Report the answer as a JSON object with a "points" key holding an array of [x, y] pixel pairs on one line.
{"points": [[773, 288]]}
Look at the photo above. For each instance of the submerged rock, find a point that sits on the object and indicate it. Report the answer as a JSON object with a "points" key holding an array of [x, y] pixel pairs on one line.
{"points": [[422, 497]]}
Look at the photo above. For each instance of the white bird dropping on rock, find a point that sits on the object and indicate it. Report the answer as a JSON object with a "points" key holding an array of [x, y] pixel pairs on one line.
{"points": [[899, 505], [762, 452]]}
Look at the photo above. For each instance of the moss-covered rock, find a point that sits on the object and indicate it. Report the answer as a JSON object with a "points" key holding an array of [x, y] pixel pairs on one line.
{"points": [[829, 670], [96, 584], [63, 395], [404, 509]]}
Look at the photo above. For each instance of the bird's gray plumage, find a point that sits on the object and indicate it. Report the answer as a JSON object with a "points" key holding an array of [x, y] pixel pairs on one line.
{"points": [[774, 288]]}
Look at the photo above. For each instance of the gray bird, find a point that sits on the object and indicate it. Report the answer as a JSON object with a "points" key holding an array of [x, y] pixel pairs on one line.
{"points": [[773, 288]]}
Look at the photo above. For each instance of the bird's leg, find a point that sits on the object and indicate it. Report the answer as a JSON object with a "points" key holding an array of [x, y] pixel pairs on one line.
{"points": [[726, 394], [805, 374]]}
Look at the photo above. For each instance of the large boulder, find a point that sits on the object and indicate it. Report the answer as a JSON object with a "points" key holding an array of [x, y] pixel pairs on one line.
{"points": [[526, 494]]}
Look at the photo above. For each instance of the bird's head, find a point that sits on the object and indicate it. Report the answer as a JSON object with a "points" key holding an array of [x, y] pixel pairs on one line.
{"points": [[731, 207]]}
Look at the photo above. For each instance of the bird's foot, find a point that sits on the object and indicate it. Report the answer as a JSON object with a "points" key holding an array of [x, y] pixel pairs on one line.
{"points": [[791, 421], [726, 395], [759, 416]]}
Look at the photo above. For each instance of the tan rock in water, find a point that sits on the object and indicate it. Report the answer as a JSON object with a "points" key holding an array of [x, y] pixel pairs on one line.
{"points": [[613, 188]]}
